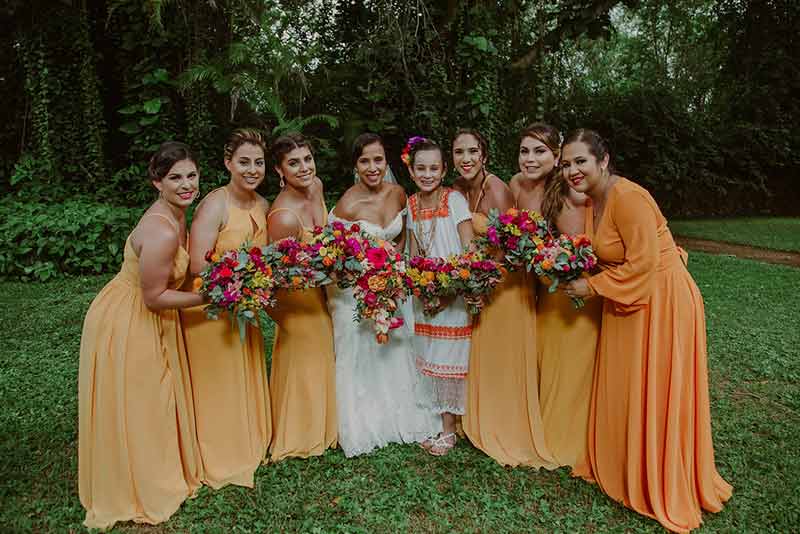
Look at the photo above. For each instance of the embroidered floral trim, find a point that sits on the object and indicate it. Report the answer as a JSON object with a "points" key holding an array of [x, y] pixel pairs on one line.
{"points": [[427, 214], [440, 371], [443, 332]]}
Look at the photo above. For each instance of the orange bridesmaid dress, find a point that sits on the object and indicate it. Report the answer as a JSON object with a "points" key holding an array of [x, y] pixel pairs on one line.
{"points": [[137, 449], [567, 345], [229, 377], [650, 444], [303, 375], [503, 417]]}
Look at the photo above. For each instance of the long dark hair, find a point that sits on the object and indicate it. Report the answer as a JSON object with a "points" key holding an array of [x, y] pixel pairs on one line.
{"points": [[555, 187], [361, 142]]}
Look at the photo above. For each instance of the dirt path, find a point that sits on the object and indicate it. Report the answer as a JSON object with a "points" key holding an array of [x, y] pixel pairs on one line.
{"points": [[740, 251]]}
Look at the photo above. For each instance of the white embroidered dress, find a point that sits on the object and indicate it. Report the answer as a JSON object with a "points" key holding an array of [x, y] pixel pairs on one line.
{"points": [[376, 385], [441, 342]]}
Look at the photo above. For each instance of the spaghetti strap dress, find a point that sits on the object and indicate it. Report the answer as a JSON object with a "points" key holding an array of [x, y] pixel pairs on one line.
{"points": [[303, 374], [229, 377], [138, 457], [503, 416]]}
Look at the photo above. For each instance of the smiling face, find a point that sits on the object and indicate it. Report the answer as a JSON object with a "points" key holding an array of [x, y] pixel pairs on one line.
{"points": [[371, 165], [428, 170], [180, 185], [536, 160], [247, 166], [581, 169], [468, 157], [297, 168]]}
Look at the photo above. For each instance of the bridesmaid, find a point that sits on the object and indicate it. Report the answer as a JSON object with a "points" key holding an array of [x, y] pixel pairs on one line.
{"points": [[137, 454], [650, 444], [302, 376], [567, 338], [229, 376], [502, 415]]}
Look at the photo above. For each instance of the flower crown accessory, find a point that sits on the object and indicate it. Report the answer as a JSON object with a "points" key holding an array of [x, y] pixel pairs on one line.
{"points": [[406, 154]]}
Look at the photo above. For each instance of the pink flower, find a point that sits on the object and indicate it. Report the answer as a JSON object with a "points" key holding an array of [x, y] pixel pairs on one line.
{"points": [[377, 257], [353, 246], [338, 226], [491, 233], [371, 298], [506, 219]]}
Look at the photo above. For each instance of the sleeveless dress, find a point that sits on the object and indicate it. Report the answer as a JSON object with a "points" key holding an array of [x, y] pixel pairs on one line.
{"points": [[650, 445], [567, 344], [503, 417], [441, 342], [137, 451], [302, 378], [376, 385], [229, 378]]}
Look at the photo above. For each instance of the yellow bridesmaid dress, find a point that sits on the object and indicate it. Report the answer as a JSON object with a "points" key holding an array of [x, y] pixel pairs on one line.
{"points": [[303, 376], [567, 344], [137, 449], [503, 416], [229, 378]]}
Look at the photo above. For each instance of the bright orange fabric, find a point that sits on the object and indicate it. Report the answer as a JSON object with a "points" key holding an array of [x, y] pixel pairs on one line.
{"points": [[650, 444], [138, 457], [502, 416], [303, 376], [229, 377]]}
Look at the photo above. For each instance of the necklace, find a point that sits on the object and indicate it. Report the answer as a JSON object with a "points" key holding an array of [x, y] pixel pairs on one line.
{"points": [[425, 238]]}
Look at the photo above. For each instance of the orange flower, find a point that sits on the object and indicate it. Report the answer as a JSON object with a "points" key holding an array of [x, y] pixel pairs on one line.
{"points": [[382, 338], [197, 283], [429, 276], [337, 233], [513, 212], [376, 283], [285, 260], [463, 273], [267, 270], [297, 281], [215, 257], [327, 261], [417, 292], [547, 265]]}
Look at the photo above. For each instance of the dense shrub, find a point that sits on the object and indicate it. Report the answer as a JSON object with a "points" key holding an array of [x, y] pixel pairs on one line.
{"points": [[40, 240]]}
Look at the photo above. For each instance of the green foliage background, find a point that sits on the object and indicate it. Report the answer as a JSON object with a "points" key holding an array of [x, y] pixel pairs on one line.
{"points": [[696, 96]]}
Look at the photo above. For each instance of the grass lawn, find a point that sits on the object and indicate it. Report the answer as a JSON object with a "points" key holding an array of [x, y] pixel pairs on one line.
{"points": [[754, 333], [768, 232]]}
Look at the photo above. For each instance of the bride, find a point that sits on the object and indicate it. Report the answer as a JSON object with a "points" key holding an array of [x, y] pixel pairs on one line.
{"points": [[375, 384]]}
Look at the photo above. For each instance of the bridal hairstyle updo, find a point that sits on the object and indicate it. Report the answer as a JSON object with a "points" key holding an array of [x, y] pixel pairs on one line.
{"points": [[555, 189], [598, 147], [481, 141], [243, 136], [167, 155], [363, 141], [285, 144]]}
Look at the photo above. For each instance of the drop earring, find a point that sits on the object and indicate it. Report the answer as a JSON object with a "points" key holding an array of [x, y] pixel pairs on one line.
{"points": [[282, 182]]}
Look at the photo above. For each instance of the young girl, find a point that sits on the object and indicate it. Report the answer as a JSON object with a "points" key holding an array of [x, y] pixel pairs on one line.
{"points": [[439, 222]]}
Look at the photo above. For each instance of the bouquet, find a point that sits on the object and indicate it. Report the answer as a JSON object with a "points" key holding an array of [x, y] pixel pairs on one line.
{"points": [[563, 259], [430, 280], [475, 277], [296, 264], [338, 250], [517, 233], [240, 282], [380, 286]]}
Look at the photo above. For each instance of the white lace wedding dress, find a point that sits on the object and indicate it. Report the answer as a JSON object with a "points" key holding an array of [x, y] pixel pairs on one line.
{"points": [[376, 385]]}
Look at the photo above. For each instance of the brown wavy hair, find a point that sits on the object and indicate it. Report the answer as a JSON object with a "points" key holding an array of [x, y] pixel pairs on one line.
{"points": [[555, 188]]}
